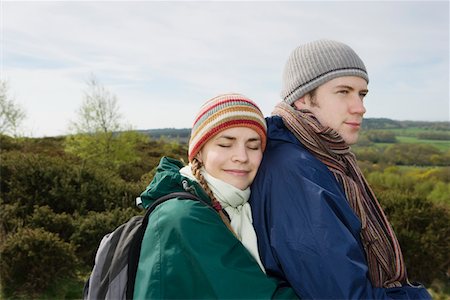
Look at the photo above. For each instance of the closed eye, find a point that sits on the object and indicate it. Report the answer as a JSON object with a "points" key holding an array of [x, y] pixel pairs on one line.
{"points": [[254, 147], [254, 144]]}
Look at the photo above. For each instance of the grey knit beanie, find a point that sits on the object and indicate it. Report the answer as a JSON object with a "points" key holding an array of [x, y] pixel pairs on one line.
{"points": [[315, 63]]}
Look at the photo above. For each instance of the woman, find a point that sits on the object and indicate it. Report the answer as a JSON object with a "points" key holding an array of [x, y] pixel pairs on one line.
{"points": [[191, 250]]}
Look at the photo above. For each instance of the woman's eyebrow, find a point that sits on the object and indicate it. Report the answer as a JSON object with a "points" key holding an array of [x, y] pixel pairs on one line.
{"points": [[232, 138], [255, 139], [227, 137]]}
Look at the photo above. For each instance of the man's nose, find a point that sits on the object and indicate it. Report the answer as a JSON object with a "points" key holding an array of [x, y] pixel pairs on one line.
{"points": [[357, 106]]}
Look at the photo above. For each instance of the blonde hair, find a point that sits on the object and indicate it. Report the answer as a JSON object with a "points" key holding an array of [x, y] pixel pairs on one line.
{"points": [[196, 165]]}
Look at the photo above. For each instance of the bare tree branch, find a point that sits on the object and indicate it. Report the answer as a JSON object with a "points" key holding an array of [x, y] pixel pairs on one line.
{"points": [[11, 114]]}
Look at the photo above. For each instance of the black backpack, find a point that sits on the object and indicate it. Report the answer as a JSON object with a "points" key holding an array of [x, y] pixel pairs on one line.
{"points": [[117, 257]]}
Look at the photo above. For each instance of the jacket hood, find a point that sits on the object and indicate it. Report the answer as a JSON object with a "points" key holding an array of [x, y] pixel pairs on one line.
{"points": [[169, 180], [277, 131]]}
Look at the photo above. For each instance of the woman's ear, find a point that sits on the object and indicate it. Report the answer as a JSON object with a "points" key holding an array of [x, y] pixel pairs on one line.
{"points": [[199, 156]]}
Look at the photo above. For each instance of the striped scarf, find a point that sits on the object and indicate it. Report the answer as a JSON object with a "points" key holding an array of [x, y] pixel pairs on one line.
{"points": [[383, 253]]}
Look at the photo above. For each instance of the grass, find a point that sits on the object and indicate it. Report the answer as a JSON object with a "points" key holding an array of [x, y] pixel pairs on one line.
{"points": [[61, 289], [443, 146], [410, 131], [409, 136]]}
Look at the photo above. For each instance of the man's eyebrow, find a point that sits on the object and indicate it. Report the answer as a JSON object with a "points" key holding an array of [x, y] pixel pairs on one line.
{"points": [[344, 86]]}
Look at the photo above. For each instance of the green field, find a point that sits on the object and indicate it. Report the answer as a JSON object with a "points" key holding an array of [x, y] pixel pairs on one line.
{"points": [[410, 136], [411, 131], [441, 145]]}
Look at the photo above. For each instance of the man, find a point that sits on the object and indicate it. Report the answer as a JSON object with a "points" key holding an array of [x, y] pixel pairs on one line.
{"points": [[319, 225]]}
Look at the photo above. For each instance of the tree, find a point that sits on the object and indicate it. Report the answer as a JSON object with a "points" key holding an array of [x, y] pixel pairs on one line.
{"points": [[100, 136], [11, 114], [105, 149], [381, 136], [99, 111]]}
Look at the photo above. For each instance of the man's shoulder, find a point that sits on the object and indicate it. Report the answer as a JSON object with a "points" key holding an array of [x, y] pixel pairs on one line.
{"points": [[286, 163], [284, 154], [282, 144]]}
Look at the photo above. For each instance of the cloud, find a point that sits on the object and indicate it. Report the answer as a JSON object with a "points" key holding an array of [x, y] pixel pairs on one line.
{"points": [[164, 59]]}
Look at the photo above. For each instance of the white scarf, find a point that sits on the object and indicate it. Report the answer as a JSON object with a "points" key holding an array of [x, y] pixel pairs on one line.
{"points": [[235, 203]]}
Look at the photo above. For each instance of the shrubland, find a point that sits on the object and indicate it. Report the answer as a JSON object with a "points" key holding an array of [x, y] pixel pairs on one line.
{"points": [[58, 199]]}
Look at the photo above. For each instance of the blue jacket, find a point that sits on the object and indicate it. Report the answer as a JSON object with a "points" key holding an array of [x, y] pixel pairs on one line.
{"points": [[307, 231]]}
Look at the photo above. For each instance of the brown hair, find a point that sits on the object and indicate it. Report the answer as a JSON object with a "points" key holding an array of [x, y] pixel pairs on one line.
{"points": [[196, 166], [312, 95]]}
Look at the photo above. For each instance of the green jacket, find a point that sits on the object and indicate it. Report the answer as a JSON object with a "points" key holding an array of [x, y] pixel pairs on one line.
{"points": [[188, 252]]}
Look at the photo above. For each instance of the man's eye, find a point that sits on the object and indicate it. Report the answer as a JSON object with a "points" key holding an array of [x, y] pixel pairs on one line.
{"points": [[343, 92], [224, 145]]}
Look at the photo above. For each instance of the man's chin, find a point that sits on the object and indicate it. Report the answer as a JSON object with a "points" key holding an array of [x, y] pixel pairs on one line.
{"points": [[351, 140]]}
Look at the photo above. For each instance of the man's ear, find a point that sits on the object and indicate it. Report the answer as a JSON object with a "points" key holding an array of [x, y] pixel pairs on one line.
{"points": [[300, 103]]}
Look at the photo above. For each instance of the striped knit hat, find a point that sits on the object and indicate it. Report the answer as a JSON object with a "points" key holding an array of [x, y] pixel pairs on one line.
{"points": [[223, 112], [312, 64]]}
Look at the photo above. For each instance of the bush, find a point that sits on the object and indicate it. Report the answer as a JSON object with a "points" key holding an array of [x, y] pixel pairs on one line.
{"points": [[31, 259], [91, 228], [11, 219], [434, 135], [44, 217], [36, 179], [423, 232], [381, 136], [8, 143], [370, 154], [413, 154]]}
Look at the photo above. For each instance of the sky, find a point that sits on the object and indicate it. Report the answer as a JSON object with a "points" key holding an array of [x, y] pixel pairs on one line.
{"points": [[164, 59]]}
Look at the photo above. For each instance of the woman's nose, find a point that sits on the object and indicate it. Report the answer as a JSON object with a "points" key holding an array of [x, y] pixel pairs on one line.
{"points": [[240, 154]]}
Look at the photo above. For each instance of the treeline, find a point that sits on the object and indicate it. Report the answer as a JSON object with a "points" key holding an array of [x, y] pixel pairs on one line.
{"points": [[404, 155], [375, 130], [444, 136], [168, 133], [57, 203], [385, 123]]}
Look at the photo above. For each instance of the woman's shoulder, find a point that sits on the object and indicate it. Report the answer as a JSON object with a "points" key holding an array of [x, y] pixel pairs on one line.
{"points": [[178, 212]]}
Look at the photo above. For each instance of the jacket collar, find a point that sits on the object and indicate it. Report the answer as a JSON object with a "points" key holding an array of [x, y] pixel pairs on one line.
{"points": [[168, 179], [277, 131]]}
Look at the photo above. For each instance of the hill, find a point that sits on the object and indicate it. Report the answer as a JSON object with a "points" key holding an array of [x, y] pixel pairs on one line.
{"points": [[182, 134], [384, 123]]}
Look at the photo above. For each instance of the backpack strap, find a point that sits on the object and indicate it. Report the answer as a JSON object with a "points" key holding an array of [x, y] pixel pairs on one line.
{"points": [[135, 247], [181, 195]]}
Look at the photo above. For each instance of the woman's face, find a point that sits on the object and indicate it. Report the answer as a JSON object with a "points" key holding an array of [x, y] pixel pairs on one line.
{"points": [[233, 156]]}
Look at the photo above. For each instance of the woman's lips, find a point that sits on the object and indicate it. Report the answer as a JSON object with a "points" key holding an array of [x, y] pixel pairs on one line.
{"points": [[237, 172]]}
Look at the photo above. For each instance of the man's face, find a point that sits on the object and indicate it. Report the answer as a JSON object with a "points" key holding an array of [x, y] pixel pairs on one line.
{"points": [[339, 105]]}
